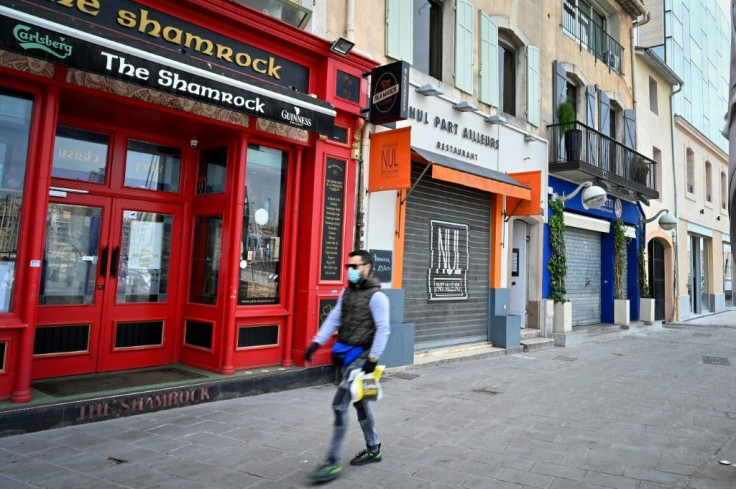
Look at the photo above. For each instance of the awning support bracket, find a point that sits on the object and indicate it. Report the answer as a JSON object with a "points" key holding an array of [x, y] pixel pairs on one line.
{"points": [[508, 216], [415, 183]]}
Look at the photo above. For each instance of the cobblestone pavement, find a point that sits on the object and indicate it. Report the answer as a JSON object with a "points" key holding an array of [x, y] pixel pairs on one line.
{"points": [[650, 410]]}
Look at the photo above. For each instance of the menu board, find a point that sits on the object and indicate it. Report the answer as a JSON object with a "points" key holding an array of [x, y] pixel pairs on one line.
{"points": [[332, 225]]}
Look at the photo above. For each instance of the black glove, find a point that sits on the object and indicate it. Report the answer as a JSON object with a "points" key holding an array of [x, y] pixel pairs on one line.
{"points": [[310, 351], [369, 367]]}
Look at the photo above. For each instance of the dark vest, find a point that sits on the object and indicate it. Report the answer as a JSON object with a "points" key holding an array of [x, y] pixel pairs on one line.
{"points": [[357, 326]]}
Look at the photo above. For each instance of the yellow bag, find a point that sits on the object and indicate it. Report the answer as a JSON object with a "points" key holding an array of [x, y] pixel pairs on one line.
{"points": [[366, 387]]}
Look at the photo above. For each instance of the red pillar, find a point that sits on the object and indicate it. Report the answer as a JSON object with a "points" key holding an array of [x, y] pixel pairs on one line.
{"points": [[37, 204], [288, 360]]}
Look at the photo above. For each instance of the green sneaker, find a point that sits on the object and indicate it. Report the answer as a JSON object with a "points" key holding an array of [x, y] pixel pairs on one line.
{"points": [[367, 457], [326, 472]]}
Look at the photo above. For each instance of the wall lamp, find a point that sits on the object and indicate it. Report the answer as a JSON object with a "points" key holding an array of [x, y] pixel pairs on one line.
{"points": [[593, 196], [342, 46], [496, 119], [667, 222], [465, 106], [429, 90]]}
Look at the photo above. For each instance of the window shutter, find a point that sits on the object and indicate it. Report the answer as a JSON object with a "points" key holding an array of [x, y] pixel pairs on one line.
{"points": [[629, 128], [560, 85], [533, 101], [590, 120], [488, 61], [463, 45], [604, 126], [399, 30]]}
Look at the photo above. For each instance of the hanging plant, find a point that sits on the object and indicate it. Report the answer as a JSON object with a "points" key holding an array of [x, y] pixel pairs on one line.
{"points": [[557, 265], [644, 291], [619, 257]]}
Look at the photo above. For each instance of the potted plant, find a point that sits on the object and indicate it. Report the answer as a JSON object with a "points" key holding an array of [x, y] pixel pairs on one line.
{"points": [[573, 136], [620, 305], [646, 302], [557, 267], [639, 169]]}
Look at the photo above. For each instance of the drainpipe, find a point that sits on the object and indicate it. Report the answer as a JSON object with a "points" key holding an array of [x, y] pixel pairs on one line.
{"points": [[350, 21], [637, 23], [676, 238]]}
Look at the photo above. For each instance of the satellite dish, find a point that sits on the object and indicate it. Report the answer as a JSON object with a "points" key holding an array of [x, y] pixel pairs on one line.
{"points": [[261, 216]]}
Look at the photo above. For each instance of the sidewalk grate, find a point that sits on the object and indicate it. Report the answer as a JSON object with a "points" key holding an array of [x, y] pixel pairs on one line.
{"points": [[566, 359], [716, 361]]}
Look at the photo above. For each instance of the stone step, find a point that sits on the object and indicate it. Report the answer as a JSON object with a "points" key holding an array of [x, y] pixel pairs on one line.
{"points": [[529, 333], [533, 344]]}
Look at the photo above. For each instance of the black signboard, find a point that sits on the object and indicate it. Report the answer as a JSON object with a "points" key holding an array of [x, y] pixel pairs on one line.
{"points": [[332, 220], [325, 308], [447, 276], [382, 264], [139, 25], [389, 93], [273, 103]]}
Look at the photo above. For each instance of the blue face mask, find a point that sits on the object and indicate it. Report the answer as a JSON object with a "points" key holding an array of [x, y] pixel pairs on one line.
{"points": [[353, 275]]}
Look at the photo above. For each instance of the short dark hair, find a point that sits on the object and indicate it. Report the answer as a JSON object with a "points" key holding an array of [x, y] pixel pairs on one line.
{"points": [[364, 255]]}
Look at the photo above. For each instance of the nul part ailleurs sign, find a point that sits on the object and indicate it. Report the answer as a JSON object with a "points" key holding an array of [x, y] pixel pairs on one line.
{"points": [[390, 165]]}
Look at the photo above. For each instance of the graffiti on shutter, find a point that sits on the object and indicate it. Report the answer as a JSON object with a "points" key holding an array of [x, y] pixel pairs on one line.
{"points": [[447, 275]]}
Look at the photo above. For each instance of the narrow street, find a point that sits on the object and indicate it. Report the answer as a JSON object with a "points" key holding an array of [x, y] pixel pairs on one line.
{"points": [[649, 410]]}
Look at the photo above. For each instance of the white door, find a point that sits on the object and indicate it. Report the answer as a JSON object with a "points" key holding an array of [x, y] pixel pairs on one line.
{"points": [[517, 272]]}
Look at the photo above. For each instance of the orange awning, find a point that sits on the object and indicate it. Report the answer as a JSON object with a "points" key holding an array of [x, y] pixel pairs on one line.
{"points": [[462, 173]]}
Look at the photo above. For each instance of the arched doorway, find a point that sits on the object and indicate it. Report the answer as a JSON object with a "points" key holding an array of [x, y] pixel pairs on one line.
{"points": [[655, 250]]}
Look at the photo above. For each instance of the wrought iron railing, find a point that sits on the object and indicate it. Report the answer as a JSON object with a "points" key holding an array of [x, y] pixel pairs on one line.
{"points": [[592, 36], [605, 157]]}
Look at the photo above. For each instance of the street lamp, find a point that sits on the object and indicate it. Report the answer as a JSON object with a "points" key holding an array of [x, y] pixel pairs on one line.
{"points": [[667, 222], [593, 196]]}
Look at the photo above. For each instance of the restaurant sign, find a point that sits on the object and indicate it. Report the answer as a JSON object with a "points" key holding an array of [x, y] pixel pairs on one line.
{"points": [[447, 276]]}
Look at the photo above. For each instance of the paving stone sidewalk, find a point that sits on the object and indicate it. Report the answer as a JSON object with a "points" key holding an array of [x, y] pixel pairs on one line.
{"points": [[650, 410]]}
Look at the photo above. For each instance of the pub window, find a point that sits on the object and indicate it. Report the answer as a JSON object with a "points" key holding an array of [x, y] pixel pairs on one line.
{"points": [[15, 127], [212, 170], [3, 355], [152, 167], [263, 224], [427, 40], [206, 259], [507, 77], [80, 155]]}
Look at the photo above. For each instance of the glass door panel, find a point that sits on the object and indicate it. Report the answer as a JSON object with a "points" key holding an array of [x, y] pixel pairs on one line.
{"points": [[145, 253], [71, 254]]}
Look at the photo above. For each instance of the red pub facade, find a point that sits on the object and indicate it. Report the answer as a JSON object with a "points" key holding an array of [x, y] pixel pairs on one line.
{"points": [[177, 185]]}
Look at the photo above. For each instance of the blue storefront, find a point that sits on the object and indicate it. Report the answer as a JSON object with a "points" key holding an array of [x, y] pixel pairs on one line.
{"points": [[589, 246]]}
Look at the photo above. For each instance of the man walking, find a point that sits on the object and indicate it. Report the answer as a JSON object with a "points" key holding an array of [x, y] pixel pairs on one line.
{"points": [[361, 318]]}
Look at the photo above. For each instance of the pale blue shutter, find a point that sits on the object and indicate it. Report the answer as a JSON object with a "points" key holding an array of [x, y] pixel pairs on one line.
{"points": [[560, 85], [533, 101], [488, 61], [604, 126], [463, 45], [400, 30], [590, 134], [630, 128]]}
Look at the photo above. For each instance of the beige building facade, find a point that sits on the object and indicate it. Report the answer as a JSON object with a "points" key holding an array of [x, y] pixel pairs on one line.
{"points": [[705, 271]]}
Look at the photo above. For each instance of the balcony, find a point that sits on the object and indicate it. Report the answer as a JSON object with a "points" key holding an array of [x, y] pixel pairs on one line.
{"points": [[626, 172], [592, 37]]}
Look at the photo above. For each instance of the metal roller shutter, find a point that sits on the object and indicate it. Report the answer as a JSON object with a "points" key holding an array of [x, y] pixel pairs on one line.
{"points": [[583, 279], [446, 322]]}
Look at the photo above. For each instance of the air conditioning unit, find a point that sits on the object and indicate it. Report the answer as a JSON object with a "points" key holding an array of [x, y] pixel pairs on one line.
{"points": [[611, 59]]}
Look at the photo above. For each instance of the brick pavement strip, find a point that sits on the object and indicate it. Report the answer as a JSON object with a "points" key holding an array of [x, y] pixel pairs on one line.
{"points": [[642, 412]]}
